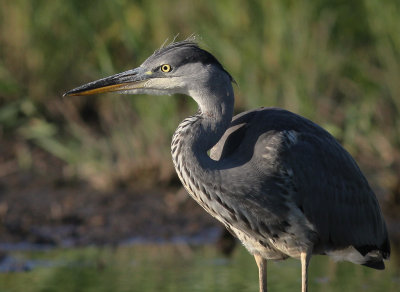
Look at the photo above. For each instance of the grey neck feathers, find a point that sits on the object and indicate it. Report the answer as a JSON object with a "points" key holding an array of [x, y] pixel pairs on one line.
{"points": [[215, 99], [198, 134], [201, 132]]}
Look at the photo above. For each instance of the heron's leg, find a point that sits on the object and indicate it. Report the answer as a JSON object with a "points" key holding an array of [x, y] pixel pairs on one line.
{"points": [[262, 272], [305, 260]]}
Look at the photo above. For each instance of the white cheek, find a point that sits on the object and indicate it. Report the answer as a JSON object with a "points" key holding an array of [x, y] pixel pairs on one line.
{"points": [[146, 91], [173, 83], [159, 86]]}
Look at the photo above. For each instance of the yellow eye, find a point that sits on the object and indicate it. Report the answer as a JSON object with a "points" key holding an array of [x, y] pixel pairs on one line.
{"points": [[166, 68]]}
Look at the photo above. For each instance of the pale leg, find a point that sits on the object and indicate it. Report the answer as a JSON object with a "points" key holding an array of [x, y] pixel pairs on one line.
{"points": [[305, 260], [262, 272]]}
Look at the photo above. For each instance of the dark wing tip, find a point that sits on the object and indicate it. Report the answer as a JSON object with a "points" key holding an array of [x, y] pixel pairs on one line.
{"points": [[378, 265], [385, 249]]}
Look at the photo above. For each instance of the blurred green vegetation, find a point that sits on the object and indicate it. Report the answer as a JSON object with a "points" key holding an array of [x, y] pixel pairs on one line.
{"points": [[336, 62]]}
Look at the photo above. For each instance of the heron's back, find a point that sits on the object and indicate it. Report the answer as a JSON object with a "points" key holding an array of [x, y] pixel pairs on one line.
{"points": [[320, 180]]}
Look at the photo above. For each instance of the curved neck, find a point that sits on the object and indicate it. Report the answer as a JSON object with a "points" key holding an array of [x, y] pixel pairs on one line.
{"points": [[215, 112], [195, 136]]}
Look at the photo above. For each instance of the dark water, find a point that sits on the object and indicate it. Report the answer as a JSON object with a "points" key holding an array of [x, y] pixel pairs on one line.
{"points": [[179, 268]]}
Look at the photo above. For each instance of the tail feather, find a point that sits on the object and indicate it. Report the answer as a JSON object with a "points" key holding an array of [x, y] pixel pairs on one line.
{"points": [[378, 265], [363, 255]]}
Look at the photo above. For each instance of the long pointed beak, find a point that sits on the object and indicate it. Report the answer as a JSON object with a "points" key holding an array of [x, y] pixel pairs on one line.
{"points": [[128, 80]]}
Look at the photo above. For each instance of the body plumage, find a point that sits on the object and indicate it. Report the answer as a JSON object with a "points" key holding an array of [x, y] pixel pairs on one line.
{"points": [[279, 182]]}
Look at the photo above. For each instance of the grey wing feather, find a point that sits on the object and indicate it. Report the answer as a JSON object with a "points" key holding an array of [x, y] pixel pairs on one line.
{"points": [[330, 189], [334, 195]]}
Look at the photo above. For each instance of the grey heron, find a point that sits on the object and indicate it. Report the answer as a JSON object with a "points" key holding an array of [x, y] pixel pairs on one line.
{"points": [[280, 183]]}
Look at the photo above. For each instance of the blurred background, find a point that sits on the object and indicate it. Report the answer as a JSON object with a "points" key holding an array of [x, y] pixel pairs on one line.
{"points": [[84, 170]]}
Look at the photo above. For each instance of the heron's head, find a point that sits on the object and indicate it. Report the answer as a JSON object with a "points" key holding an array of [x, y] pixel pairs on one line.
{"points": [[181, 67]]}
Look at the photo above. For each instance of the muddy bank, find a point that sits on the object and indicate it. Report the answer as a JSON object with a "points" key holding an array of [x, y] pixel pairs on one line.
{"points": [[78, 215], [73, 214]]}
